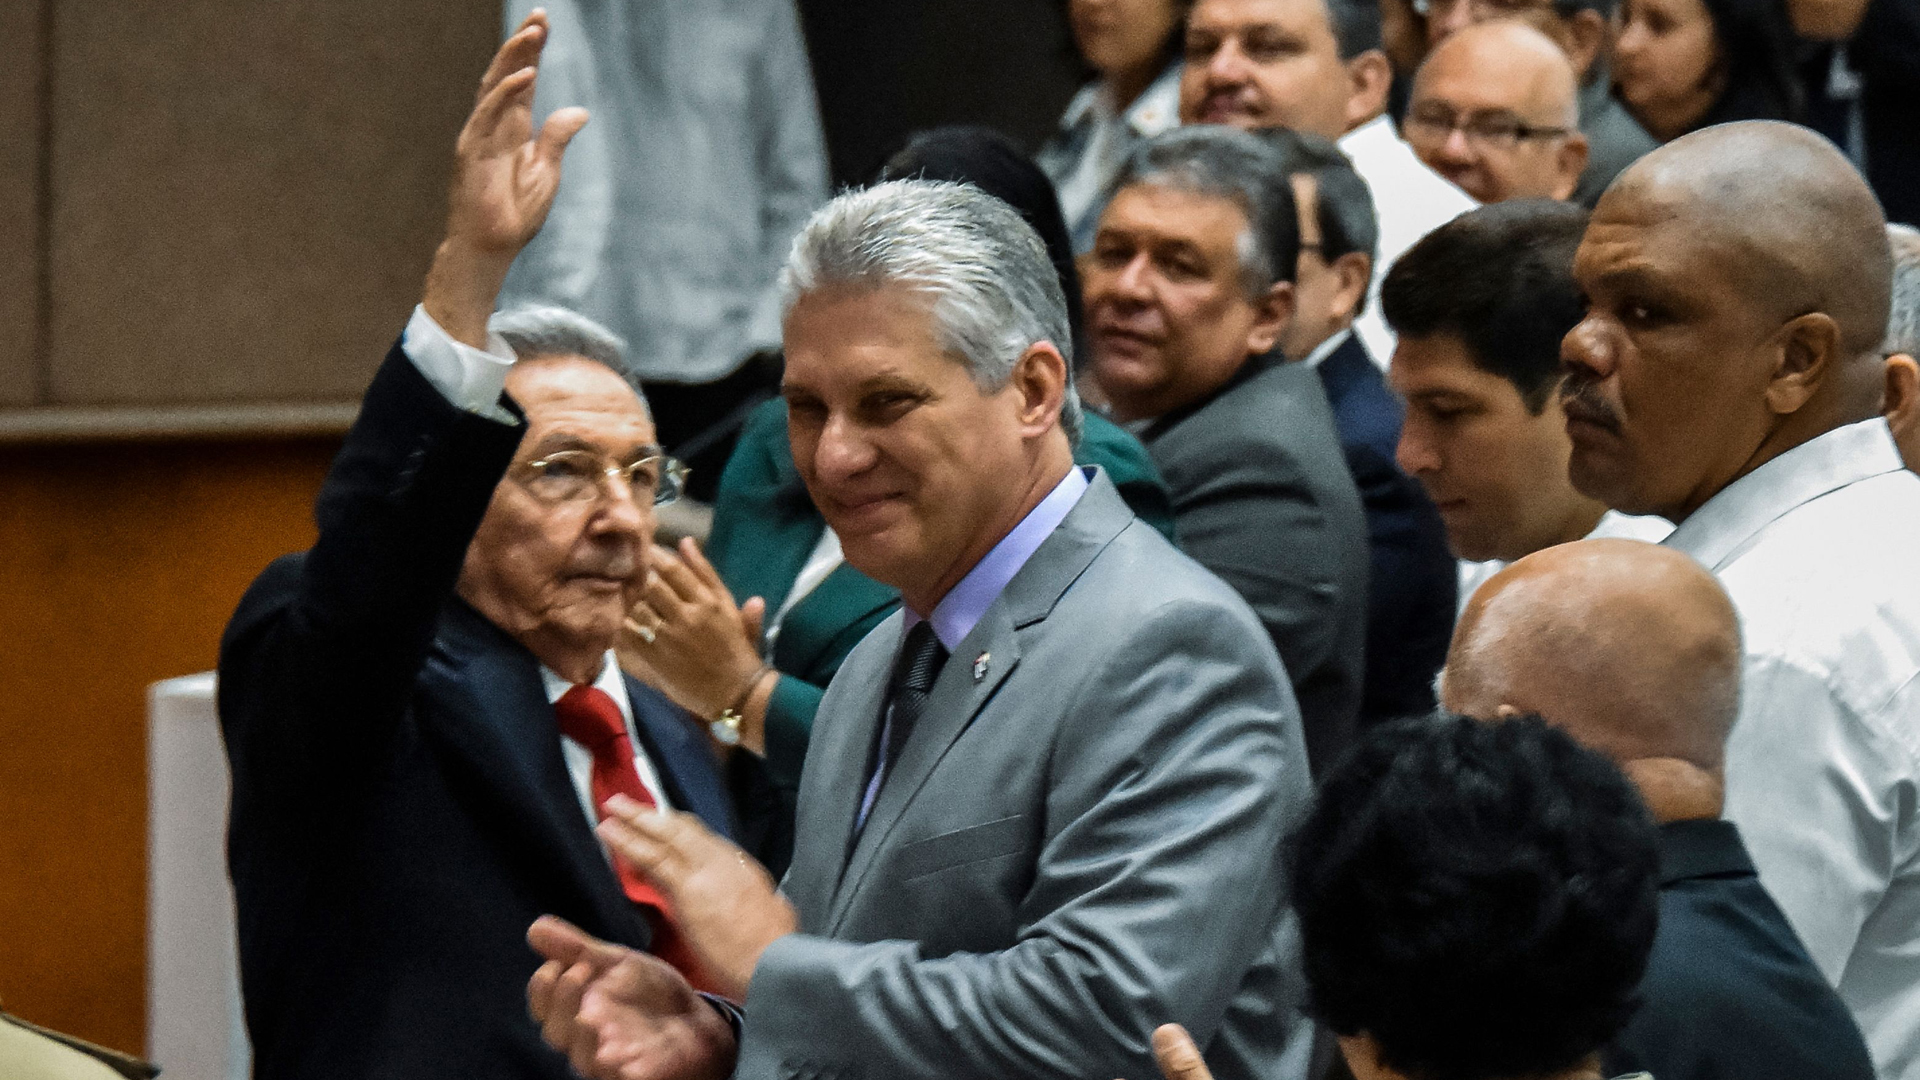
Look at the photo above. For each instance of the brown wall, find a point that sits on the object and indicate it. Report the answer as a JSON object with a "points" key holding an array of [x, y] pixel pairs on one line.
{"points": [[118, 566]]}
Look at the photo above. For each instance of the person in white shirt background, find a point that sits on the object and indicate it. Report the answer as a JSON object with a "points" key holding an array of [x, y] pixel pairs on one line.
{"points": [[1728, 376], [1480, 306], [1317, 66]]}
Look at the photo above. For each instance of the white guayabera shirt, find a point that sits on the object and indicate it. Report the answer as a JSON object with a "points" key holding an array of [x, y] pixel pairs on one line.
{"points": [[1820, 550]]}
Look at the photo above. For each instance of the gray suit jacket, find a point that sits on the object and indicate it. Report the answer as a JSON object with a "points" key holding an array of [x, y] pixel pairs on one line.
{"points": [[1080, 841], [1262, 497]]}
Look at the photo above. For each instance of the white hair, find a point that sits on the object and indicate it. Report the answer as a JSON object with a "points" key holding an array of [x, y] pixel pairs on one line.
{"points": [[543, 330], [1903, 321], [994, 289]]}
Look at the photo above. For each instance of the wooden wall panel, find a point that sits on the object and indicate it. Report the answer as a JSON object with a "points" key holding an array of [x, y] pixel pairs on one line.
{"points": [[248, 193], [20, 116], [118, 566]]}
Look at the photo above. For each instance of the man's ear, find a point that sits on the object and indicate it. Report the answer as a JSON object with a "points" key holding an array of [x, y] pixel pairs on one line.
{"points": [[1272, 312], [1571, 163], [1369, 77], [1040, 377], [1354, 271], [1805, 350], [1903, 406]]}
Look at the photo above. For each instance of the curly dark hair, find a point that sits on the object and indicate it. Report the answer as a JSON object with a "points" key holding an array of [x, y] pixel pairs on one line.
{"points": [[1479, 898]]}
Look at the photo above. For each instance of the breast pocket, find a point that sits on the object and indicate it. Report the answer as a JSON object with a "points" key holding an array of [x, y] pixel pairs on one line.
{"points": [[962, 847]]}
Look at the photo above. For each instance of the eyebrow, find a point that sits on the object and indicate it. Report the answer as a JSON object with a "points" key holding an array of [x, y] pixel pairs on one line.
{"points": [[559, 441]]}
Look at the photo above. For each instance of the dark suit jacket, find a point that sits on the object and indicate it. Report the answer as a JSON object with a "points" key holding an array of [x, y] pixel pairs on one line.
{"points": [[1730, 993], [1262, 497], [1077, 842], [1413, 579], [401, 809], [764, 528]]}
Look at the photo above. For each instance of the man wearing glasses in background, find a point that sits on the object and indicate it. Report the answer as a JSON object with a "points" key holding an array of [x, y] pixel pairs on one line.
{"points": [[1496, 111], [1584, 31], [422, 712]]}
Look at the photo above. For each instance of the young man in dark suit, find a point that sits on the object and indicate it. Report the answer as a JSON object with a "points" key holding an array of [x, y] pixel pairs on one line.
{"points": [[1412, 577], [421, 712]]}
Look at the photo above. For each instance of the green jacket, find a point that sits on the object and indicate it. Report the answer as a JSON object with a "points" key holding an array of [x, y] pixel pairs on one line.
{"points": [[765, 527]]}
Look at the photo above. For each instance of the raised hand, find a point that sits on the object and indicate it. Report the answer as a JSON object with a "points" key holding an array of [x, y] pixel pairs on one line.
{"points": [[725, 903], [619, 1014], [504, 178]]}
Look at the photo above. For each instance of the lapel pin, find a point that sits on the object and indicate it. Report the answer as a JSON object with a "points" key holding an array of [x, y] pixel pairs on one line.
{"points": [[980, 666]]}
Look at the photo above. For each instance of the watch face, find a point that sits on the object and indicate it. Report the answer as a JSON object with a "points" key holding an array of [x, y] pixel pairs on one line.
{"points": [[726, 731]]}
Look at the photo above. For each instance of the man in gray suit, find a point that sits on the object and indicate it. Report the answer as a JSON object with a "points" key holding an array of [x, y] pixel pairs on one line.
{"points": [[1189, 289], [1043, 805]]}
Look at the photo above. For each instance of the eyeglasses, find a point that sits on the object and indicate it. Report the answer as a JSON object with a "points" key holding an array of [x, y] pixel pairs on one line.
{"points": [[567, 476], [1487, 131]]}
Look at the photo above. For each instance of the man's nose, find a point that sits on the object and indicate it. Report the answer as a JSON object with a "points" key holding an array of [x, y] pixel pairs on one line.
{"points": [[1228, 65], [1588, 350], [1132, 282], [842, 451], [1415, 453]]}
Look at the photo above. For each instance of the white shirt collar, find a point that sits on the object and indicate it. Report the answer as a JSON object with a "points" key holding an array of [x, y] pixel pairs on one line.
{"points": [[1729, 520], [1327, 348], [1157, 109]]}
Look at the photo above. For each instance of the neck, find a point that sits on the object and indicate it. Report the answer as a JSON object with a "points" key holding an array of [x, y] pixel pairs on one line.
{"points": [[1790, 434], [1677, 790], [1126, 85], [1048, 471], [577, 666], [1362, 122]]}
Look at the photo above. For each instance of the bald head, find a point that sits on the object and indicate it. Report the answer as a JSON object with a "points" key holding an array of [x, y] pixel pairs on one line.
{"points": [[1634, 649], [1737, 289], [1499, 73], [1804, 228]]}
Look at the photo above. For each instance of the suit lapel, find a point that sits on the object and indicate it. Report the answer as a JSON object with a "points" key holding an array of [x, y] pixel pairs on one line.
{"points": [[680, 757], [956, 699], [834, 774], [502, 736]]}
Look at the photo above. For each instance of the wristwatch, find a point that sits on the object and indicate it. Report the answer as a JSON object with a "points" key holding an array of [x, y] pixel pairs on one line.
{"points": [[725, 728]]}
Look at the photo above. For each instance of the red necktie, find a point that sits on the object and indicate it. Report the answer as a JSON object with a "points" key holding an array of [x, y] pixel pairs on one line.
{"points": [[591, 718]]}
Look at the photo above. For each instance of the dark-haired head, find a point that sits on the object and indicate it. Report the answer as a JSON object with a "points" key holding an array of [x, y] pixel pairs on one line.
{"points": [[1743, 68], [1476, 900], [981, 156], [1338, 236], [1500, 280]]}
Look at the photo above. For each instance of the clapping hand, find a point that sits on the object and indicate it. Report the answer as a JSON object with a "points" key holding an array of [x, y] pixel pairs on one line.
{"points": [[504, 178], [619, 1014], [726, 905]]}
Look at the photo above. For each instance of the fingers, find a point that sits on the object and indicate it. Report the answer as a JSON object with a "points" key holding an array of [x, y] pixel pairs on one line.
{"points": [[1179, 1059], [561, 941], [518, 51], [490, 117], [678, 580], [753, 617], [540, 990], [697, 560], [560, 128]]}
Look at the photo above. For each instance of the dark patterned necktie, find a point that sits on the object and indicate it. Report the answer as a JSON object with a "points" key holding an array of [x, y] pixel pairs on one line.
{"points": [[921, 658]]}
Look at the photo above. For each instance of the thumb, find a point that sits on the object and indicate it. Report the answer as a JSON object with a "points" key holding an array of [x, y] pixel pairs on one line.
{"points": [[558, 131], [754, 614], [1179, 1059]]}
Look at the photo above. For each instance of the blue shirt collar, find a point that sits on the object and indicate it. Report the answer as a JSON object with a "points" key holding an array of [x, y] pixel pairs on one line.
{"points": [[957, 613]]}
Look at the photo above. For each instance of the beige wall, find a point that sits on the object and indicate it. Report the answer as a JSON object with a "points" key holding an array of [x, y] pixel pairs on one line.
{"points": [[242, 197]]}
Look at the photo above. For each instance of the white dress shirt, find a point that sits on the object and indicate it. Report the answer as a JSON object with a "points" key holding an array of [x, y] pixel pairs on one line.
{"points": [[1409, 201], [1612, 525], [473, 380], [1820, 550]]}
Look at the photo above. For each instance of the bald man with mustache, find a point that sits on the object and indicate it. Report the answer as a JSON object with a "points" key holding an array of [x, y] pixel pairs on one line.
{"points": [[1634, 650], [1728, 376]]}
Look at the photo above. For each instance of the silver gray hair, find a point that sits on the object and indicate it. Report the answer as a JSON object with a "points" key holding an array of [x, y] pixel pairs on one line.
{"points": [[995, 292], [1227, 163], [1903, 323], [544, 330]]}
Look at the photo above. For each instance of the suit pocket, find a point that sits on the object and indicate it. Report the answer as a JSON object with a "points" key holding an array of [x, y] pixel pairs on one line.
{"points": [[961, 847]]}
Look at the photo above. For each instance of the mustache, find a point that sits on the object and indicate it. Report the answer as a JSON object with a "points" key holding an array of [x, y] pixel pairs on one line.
{"points": [[1581, 399]]}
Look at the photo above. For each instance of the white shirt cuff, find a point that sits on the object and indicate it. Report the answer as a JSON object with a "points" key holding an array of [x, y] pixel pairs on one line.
{"points": [[470, 378]]}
